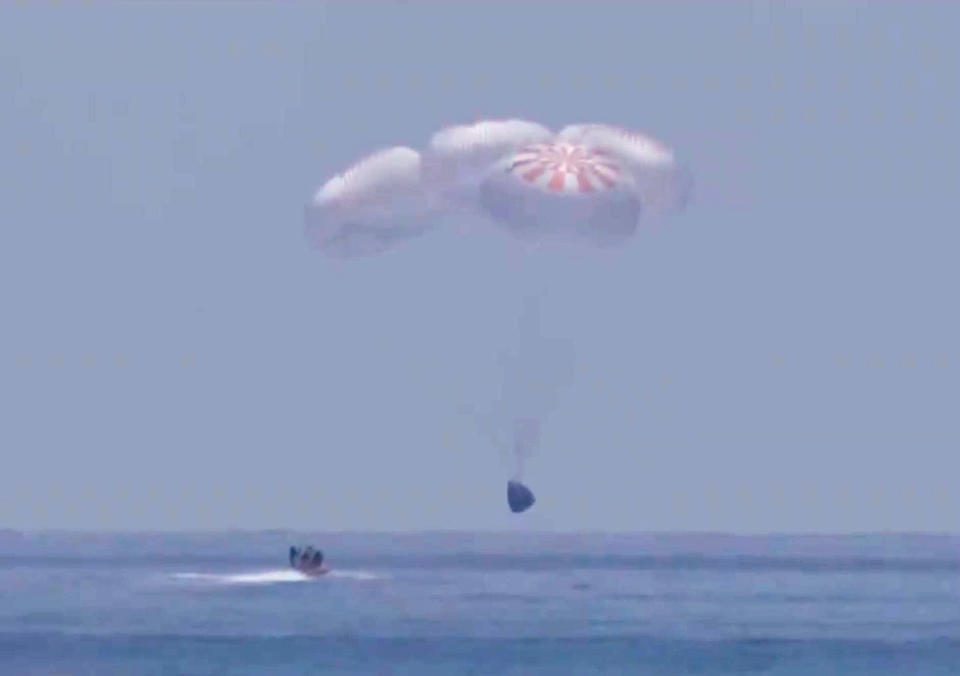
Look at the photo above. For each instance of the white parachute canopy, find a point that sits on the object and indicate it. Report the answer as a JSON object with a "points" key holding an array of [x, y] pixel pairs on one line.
{"points": [[558, 190], [459, 158], [372, 206], [661, 184], [590, 182]]}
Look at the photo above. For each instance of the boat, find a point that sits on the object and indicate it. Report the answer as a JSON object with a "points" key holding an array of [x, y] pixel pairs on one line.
{"points": [[308, 561]]}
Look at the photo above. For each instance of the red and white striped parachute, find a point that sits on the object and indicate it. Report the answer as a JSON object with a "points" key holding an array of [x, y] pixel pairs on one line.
{"points": [[591, 182]]}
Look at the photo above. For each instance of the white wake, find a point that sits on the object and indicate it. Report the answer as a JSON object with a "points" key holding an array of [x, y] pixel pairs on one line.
{"points": [[276, 576]]}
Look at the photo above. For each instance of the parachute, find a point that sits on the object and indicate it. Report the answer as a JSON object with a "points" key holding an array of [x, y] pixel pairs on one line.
{"points": [[369, 208], [459, 158], [659, 182], [589, 182], [561, 190]]}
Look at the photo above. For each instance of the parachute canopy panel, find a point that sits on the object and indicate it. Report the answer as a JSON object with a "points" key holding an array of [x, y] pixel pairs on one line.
{"points": [[374, 205], [484, 142], [457, 158], [632, 146], [561, 190], [659, 181]]}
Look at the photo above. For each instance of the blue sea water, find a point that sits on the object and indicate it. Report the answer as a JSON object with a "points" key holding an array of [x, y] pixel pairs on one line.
{"points": [[460, 603]]}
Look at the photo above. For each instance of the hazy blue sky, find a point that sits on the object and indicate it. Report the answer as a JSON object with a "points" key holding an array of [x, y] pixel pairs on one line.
{"points": [[780, 357]]}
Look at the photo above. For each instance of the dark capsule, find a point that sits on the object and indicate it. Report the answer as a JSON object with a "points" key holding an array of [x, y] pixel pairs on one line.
{"points": [[519, 497]]}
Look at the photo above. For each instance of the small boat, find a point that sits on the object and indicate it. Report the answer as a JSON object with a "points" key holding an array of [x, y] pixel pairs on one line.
{"points": [[308, 561]]}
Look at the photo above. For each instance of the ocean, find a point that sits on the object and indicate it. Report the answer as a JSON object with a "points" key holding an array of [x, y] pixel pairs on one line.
{"points": [[462, 603]]}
